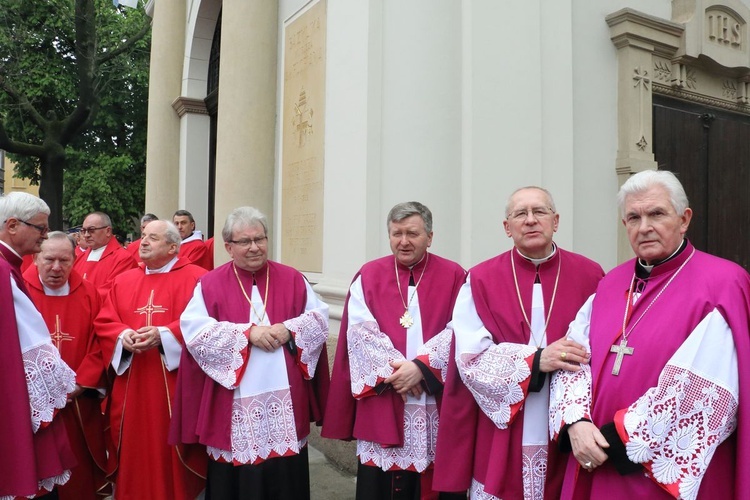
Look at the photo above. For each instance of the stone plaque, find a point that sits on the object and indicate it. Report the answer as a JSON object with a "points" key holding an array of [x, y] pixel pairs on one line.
{"points": [[303, 133]]}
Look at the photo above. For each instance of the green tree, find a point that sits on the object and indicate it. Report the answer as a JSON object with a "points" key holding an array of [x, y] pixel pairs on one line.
{"points": [[73, 103]]}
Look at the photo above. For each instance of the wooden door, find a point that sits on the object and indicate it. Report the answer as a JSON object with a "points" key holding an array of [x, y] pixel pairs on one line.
{"points": [[709, 150]]}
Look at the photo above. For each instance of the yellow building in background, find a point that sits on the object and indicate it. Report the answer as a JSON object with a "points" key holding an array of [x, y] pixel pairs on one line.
{"points": [[11, 183]]}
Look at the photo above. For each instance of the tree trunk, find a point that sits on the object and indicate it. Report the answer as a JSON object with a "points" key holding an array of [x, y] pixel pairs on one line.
{"points": [[51, 187]]}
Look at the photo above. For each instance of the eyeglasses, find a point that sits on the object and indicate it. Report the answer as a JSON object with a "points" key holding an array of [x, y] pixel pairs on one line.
{"points": [[91, 230], [42, 229], [538, 213], [247, 243]]}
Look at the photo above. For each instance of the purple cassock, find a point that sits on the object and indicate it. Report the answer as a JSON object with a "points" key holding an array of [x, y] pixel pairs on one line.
{"points": [[490, 442], [675, 401]]}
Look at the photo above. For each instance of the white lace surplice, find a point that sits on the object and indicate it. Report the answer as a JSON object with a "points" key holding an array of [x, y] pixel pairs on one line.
{"points": [[370, 352], [494, 374], [675, 427], [262, 413], [48, 379]]}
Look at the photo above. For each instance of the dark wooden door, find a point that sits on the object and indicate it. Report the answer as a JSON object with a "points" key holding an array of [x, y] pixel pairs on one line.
{"points": [[709, 150]]}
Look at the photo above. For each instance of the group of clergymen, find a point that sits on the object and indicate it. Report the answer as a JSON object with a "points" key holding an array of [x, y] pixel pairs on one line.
{"points": [[532, 376]]}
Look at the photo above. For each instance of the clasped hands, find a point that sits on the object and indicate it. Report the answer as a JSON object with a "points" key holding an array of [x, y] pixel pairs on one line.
{"points": [[269, 338], [142, 339], [405, 378], [563, 354]]}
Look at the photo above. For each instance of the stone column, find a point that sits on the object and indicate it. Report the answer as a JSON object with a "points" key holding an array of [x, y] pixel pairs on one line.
{"points": [[638, 38], [246, 133], [163, 141]]}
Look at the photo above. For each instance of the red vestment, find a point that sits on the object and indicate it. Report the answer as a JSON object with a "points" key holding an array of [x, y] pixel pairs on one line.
{"points": [[195, 252], [70, 320], [133, 248], [114, 261], [141, 398], [29, 457]]}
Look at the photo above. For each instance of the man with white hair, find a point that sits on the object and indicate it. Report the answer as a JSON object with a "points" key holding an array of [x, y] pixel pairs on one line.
{"points": [[257, 373], [139, 331], [34, 453], [69, 305], [656, 412]]}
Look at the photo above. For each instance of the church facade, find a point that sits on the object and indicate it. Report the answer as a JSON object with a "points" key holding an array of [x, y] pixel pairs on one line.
{"points": [[325, 113]]}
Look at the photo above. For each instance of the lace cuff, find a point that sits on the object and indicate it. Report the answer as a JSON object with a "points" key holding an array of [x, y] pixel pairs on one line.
{"points": [[310, 334], [221, 351], [435, 353], [569, 399], [49, 381], [370, 352], [495, 377]]}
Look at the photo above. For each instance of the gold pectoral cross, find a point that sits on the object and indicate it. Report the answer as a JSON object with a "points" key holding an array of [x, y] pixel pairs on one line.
{"points": [[622, 349], [406, 320], [58, 336], [150, 309]]}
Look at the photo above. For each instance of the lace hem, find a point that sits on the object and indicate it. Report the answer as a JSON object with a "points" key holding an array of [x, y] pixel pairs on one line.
{"points": [[47, 484], [569, 399], [438, 350], [311, 334], [370, 352], [494, 378], [49, 381], [420, 439], [677, 426], [476, 492], [262, 428], [534, 471], [218, 351]]}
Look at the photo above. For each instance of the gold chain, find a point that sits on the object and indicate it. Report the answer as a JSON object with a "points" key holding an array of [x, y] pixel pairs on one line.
{"points": [[520, 301], [265, 298]]}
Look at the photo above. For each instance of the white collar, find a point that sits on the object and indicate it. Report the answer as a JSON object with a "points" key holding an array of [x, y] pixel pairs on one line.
{"points": [[164, 269], [56, 292]]}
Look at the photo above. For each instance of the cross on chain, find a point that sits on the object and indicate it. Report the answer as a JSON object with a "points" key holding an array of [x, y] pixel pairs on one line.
{"points": [[150, 309], [621, 351], [58, 336]]}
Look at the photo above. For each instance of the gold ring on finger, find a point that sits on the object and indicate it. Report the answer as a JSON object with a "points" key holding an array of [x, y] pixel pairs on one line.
{"points": [[563, 355]]}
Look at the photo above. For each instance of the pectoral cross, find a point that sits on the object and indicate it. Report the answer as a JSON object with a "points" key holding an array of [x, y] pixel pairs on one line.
{"points": [[150, 309], [58, 336], [621, 351]]}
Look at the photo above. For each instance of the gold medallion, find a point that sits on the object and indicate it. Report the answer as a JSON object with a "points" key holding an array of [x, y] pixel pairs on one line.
{"points": [[406, 320]]}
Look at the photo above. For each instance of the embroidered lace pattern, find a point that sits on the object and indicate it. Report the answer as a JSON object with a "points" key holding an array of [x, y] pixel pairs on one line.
{"points": [[420, 437], [678, 425], [49, 381], [370, 351], [438, 351], [494, 378], [262, 427], [218, 351], [47, 484], [312, 331], [569, 398], [534, 471], [476, 492]]}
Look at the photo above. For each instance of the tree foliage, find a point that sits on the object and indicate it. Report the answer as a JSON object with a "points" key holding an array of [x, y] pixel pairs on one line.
{"points": [[73, 103]]}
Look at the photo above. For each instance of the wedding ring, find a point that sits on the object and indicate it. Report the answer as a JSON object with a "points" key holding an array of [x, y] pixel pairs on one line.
{"points": [[587, 465], [563, 355], [276, 341]]}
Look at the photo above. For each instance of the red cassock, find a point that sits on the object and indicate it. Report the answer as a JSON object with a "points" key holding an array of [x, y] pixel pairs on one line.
{"points": [[114, 261], [195, 251], [70, 320], [133, 248], [141, 397]]}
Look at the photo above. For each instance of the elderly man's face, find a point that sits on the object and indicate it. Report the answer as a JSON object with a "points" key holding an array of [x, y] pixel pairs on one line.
{"points": [[54, 262], [155, 251], [409, 240], [184, 226], [28, 235], [655, 230], [531, 223], [95, 233], [248, 247]]}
